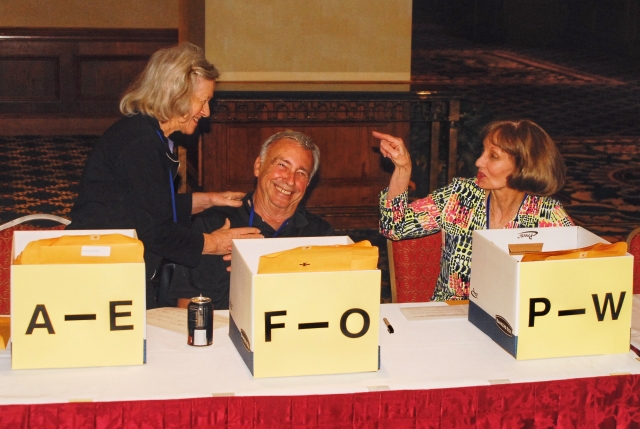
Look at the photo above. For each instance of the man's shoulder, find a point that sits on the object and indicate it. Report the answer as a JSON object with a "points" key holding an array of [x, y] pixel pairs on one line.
{"points": [[315, 225], [213, 218]]}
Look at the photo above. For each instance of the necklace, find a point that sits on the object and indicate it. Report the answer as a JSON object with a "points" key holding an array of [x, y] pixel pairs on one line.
{"points": [[510, 218]]}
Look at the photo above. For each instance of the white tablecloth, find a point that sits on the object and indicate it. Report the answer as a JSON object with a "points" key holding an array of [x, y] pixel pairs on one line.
{"points": [[419, 355]]}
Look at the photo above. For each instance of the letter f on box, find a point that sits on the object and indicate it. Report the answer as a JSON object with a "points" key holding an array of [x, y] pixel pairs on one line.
{"points": [[268, 326]]}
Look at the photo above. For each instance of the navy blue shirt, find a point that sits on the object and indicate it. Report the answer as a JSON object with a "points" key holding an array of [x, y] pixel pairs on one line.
{"points": [[210, 277], [126, 185]]}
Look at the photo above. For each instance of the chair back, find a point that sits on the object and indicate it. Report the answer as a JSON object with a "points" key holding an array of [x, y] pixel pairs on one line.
{"points": [[633, 247], [414, 267], [6, 242]]}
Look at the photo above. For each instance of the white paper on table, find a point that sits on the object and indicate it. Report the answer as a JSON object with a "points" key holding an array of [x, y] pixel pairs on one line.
{"points": [[175, 319], [413, 314], [219, 321]]}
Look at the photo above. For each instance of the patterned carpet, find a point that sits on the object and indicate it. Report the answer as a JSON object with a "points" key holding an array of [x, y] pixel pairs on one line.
{"points": [[587, 101], [602, 192], [569, 92], [41, 174], [483, 67]]}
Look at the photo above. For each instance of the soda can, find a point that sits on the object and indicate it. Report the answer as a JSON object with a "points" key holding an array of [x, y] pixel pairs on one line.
{"points": [[200, 321]]}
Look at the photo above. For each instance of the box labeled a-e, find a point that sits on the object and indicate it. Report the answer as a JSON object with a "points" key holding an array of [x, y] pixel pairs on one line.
{"points": [[87, 310]]}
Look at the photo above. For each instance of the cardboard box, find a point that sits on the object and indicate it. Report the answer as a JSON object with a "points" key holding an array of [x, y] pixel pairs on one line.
{"points": [[302, 323], [548, 309], [76, 315]]}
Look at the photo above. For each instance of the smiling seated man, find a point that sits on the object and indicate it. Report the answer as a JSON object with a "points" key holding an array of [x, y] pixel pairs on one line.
{"points": [[287, 162]]}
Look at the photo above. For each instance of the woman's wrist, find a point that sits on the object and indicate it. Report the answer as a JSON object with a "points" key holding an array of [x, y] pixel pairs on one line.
{"points": [[399, 182]]}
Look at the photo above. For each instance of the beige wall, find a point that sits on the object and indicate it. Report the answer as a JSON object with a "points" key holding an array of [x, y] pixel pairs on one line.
{"points": [[89, 13], [310, 40]]}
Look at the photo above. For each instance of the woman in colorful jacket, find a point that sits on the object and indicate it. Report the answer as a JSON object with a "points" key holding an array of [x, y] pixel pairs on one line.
{"points": [[519, 169]]}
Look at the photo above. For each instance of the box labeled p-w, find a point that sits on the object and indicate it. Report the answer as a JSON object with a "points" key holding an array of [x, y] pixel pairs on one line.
{"points": [[88, 309], [551, 308], [302, 323]]}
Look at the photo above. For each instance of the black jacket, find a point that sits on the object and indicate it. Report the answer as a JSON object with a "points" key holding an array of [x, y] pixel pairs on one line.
{"points": [[211, 278], [126, 184]]}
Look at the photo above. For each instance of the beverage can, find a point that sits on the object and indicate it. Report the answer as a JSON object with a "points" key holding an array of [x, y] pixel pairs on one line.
{"points": [[200, 321]]}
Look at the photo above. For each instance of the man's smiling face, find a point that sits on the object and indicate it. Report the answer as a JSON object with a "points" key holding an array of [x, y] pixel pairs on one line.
{"points": [[283, 176]]}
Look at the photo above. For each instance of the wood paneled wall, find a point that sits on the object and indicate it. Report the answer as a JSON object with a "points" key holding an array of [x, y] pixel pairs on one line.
{"points": [[352, 171], [72, 72]]}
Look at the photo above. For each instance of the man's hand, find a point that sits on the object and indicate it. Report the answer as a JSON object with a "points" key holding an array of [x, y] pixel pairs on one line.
{"points": [[228, 259], [219, 241], [203, 200]]}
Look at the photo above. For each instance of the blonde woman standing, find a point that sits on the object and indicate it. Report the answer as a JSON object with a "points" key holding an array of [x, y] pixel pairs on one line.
{"points": [[128, 181]]}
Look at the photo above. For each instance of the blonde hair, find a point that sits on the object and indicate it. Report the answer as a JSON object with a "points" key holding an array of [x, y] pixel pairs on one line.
{"points": [[165, 87], [539, 167]]}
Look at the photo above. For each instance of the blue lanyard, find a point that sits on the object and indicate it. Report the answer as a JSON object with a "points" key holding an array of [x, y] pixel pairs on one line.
{"points": [[252, 214], [173, 195], [173, 198]]}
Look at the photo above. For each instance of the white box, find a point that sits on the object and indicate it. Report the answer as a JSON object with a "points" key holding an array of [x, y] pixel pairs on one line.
{"points": [[76, 315], [554, 308], [302, 323]]}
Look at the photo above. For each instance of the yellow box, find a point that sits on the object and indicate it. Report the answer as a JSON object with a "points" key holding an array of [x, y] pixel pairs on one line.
{"points": [[302, 323], [553, 308], [76, 315]]}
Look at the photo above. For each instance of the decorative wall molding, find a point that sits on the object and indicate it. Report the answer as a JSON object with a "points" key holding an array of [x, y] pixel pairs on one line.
{"points": [[392, 110], [72, 72], [58, 34], [33, 78]]}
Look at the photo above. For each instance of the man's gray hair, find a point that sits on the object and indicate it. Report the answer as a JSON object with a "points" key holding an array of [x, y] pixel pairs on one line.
{"points": [[303, 141]]}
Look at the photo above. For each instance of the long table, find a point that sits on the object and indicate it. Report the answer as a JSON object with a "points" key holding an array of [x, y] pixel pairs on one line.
{"points": [[436, 373]]}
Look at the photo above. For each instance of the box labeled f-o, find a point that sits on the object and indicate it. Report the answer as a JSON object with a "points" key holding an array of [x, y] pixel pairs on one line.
{"points": [[551, 308], [293, 324], [86, 310]]}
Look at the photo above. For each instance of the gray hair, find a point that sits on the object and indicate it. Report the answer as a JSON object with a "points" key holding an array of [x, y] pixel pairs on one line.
{"points": [[165, 87], [301, 139]]}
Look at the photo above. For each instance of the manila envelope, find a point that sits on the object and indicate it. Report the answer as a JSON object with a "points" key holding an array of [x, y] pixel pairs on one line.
{"points": [[82, 249], [312, 259]]}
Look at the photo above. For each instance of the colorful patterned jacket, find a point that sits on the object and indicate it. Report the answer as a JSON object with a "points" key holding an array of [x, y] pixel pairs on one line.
{"points": [[458, 210]]}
